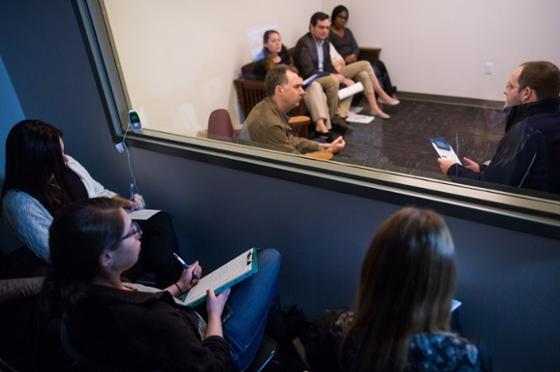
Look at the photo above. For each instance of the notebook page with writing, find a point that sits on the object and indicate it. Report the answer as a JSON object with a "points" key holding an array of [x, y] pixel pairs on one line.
{"points": [[224, 277]]}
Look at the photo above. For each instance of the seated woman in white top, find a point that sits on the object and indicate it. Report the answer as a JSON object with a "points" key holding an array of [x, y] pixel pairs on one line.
{"points": [[40, 179]]}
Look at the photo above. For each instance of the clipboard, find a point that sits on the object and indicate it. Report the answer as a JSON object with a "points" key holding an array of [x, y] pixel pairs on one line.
{"points": [[307, 82], [229, 274], [444, 149]]}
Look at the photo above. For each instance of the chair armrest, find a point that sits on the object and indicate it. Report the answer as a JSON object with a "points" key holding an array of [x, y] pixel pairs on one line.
{"points": [[370, 54], [12, 289], [237, 128], [299, 120], [299, 125], [320, 155]]}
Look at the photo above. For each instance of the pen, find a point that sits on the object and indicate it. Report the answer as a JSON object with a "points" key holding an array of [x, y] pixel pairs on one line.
{"points": [[132, 191], [184, 264]]}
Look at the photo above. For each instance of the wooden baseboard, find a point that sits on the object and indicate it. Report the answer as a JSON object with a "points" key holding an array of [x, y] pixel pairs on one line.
{"points": [[463, 101]]}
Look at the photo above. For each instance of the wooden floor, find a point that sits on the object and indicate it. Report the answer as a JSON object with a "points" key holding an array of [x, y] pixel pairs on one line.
{"points": [[401, 143]]}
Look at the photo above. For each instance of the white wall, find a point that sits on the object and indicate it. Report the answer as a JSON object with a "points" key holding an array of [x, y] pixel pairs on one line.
{"points": [[180, 57], [441, 46]]}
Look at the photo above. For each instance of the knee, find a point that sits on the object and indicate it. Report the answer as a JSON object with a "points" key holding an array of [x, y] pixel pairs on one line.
{"points": [[330, 83], [365, 66], [314, 88], [271, 259], [160, 217]]}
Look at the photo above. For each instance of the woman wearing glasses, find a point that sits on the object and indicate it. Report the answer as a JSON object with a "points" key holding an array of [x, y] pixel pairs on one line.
{"points": [[40, 179], [112, 325]]}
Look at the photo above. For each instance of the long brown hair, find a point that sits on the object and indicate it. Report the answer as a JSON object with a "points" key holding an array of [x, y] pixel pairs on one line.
{"points": [[79, 234], [34, 161], [406, 286]]}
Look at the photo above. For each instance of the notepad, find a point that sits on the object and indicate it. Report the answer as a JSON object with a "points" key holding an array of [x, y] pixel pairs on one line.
{"points": [[307, 82], [444, 149], [357, 118], [350, 90], [143, 214], [224, 277]]}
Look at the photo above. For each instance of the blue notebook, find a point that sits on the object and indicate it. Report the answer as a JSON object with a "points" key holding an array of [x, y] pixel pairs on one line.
{"points": [[236, 270]]}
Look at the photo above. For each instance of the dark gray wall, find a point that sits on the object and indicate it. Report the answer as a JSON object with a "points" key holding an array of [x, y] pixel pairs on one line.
{"points": [[508, 281]]}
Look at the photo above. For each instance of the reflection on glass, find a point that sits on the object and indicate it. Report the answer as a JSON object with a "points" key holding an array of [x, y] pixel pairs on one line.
{"points": [[182, 70]]}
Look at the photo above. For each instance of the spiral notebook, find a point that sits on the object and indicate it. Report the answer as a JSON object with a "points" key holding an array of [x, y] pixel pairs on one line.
{"points": [[236, 270]]}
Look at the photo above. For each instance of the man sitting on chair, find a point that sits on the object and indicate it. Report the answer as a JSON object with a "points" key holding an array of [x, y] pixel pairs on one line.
{"points": [[267, 123], [528, 155]]}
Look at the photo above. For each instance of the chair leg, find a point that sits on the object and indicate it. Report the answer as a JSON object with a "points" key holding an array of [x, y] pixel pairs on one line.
{"points": [[265, 355]]}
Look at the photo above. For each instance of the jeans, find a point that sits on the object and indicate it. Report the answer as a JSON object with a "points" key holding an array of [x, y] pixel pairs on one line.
{"points": [[250, 302]]}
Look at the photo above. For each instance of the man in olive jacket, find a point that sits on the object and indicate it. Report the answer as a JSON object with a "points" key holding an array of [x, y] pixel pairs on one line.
{"points": [[267, 124]]}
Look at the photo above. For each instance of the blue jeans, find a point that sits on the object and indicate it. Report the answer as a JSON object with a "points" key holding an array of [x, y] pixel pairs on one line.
{"points": [[250, 301]]}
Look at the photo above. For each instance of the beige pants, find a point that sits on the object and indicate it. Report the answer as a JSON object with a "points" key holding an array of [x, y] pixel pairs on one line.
{"points": [[330, 87], [316, 102], [358, 71]]}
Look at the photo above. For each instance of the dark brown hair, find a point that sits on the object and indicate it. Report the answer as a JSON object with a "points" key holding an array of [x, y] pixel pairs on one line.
{"points": [[406, 286], [541, 76], [337, 10], [78, 235], [318, 16], [34, 161], [277, 76], [284, 54]]}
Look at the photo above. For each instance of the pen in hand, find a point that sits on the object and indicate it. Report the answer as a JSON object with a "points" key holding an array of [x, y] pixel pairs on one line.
{"points": [[136, 200], [185, 265]]}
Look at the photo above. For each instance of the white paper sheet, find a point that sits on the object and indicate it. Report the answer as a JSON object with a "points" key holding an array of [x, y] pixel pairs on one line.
{"points": [[143, 214], [350, 91]]}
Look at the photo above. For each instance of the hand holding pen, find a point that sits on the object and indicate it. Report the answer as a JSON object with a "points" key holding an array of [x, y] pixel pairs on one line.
{"points": [[136, 200], [191, 273]]}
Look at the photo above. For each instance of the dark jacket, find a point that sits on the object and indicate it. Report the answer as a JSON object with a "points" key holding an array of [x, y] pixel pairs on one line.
{"points": [[131, 330], [306, 58], [528, 155]]}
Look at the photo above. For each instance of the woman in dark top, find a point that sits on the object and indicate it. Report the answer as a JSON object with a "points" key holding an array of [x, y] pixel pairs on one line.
{"points": [[110, 324], [403, 305], [345, 43], [40, 179]]}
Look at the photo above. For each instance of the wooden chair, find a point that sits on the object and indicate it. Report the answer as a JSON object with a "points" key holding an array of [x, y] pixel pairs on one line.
{"points": [[369, 54]]}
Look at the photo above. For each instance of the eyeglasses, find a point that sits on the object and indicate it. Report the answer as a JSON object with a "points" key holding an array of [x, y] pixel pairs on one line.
{"points": [[134, 229]]}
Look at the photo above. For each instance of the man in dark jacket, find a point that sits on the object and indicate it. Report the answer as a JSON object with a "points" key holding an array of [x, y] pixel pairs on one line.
{"points": [[312, 56], [528, 155]]}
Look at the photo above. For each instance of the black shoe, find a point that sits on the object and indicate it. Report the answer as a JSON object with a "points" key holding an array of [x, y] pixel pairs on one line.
{"points": [[340, 123], [325, 137]]}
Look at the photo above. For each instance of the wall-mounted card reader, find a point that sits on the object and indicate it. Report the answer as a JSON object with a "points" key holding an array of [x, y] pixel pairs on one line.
{"points": [[134, 122]]}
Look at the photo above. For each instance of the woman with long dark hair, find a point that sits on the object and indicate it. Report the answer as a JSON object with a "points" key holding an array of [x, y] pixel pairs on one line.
{"points": [[40, 179], [114, 325], [403, 305]]}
